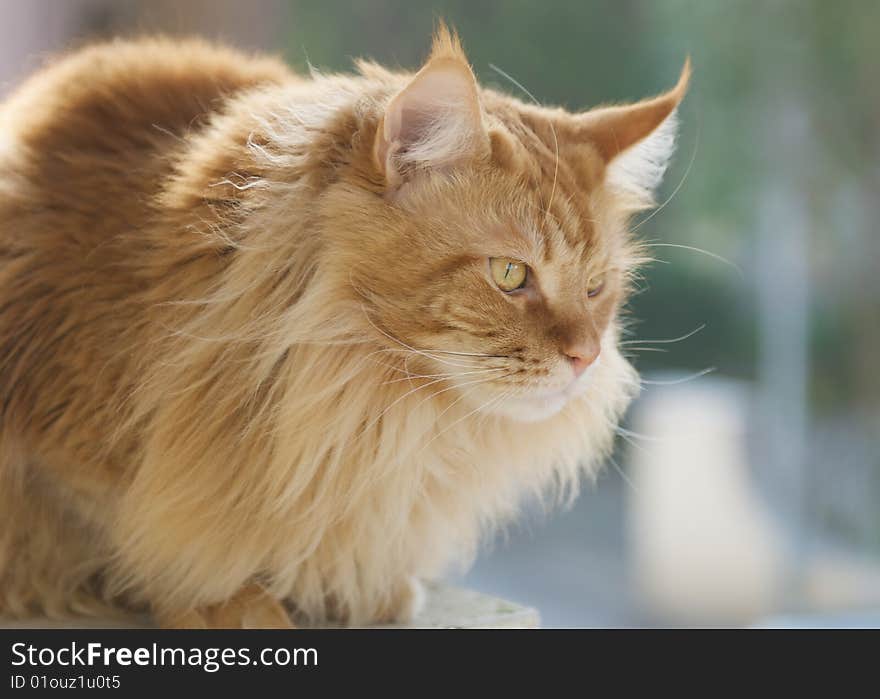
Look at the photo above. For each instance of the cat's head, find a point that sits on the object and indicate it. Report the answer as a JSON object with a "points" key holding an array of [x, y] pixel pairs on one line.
{"points": [[493, 253]]}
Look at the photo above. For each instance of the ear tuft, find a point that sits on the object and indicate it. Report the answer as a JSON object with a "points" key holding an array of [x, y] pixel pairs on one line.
{"points": [[436, 121], [639, 169], [446, 44], [637, 140]]}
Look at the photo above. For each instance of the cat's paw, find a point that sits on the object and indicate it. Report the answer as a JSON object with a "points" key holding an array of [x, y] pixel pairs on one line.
{"points": [[413, 600], [407, 601], [251, 608]]}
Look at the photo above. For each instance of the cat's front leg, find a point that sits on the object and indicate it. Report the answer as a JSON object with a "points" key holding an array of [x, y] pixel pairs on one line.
{"points": [[251, 608]]}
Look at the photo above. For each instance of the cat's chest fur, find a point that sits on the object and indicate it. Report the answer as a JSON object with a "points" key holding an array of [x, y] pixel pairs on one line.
{"points": [[415, 494]]}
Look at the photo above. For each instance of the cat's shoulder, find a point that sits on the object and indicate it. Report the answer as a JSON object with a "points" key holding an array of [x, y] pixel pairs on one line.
{"points": [[110, 86]]}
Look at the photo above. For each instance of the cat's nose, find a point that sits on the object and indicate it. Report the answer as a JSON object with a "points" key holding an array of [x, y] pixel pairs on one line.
{"points": [[582, 356]]}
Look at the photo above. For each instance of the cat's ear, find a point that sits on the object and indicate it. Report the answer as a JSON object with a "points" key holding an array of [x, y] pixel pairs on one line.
{"points": [[436, 121], [637, 140]]}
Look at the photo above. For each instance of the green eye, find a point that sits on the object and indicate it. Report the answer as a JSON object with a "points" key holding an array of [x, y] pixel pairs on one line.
{"points": [[508, 274]]}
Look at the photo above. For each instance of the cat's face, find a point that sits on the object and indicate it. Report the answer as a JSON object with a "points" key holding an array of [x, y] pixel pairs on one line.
{"points": [[504, 255], [514, 305]]}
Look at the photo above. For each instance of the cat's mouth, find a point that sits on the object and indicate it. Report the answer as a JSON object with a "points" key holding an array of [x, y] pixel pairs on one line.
{"points": [[542, 403]]}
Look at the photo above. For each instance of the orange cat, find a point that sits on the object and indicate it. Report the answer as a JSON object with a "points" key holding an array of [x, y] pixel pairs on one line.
{"points": [[275, 347]]}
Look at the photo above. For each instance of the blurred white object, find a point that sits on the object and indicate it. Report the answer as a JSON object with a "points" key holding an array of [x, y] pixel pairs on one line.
{"points": [[704, 548], [835, 581]]}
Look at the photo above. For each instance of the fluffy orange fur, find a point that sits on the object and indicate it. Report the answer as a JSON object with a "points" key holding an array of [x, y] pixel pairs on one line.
{"points": [[253, 363]]}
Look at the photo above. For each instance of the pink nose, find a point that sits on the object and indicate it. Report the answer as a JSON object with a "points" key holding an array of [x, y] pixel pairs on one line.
{"points": [[582, 357]]}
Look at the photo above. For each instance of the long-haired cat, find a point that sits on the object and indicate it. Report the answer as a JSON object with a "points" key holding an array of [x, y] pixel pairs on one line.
{"points": [[275, 348]]}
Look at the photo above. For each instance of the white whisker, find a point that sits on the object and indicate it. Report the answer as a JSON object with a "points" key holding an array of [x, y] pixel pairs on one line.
{"points": [[403, 344], [410, 377], [467, 354], [678, 381], [461, 385], [674, 339], [623, 475], [464, 364], [684, 177], [636, 435], [626, 438], [714, 256], [376, 419], [455, 422], [555, 139]]}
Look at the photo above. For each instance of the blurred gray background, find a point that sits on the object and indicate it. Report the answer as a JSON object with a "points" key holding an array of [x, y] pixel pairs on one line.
{"points": [[746, 496]]}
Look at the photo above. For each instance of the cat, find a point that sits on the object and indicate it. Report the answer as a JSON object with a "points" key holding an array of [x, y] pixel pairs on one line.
{"points": [[275, 348]]}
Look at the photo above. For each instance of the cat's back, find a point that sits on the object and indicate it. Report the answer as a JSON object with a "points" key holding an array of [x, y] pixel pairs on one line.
{"points": [[116, 95], [92, 135], [85, 146]]}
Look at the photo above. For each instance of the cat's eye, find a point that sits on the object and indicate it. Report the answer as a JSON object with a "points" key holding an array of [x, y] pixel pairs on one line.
{"points": [[508, 274], [596, 286]]}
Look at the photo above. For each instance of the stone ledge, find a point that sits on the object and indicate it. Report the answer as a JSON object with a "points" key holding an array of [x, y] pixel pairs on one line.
{"points": [[446, 608], [458, 608]]}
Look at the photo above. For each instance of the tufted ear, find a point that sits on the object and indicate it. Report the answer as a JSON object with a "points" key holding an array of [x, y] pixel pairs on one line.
{"points": [[636, 140], [436, 121]]}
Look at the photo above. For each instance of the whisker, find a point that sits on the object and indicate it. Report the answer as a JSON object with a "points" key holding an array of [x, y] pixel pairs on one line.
{"points": [[714, 256], [675, 382], [375, 420], [402, 343], [684, 177], [555, 140], [674, 339], [626, 438], [401, 370], [165, 131], [636, 435], [461, 385], [410, 377], [407, 347], [450, 406], [454, 423], [623, 475], [468, 354], [502, 397], [463, 363], [428, 352]]}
